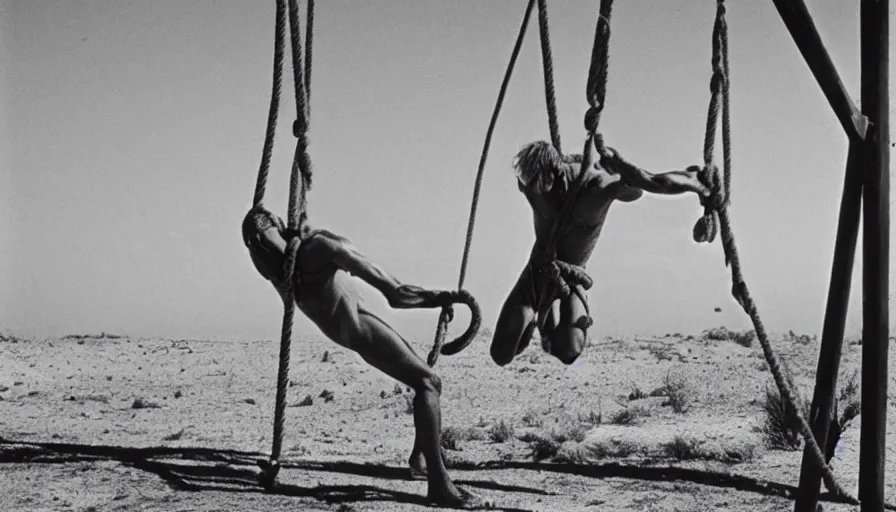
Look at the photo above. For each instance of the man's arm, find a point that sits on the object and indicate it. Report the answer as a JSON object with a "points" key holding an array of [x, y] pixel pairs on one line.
{"points": [[673, 182], [400, 296]]}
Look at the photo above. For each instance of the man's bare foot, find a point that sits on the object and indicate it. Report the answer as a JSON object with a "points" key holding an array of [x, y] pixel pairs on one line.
{"points": [[456, 497], [417, 466]]}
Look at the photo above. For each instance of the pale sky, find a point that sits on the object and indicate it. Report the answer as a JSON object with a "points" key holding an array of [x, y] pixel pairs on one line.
{"points": [[132, 132]]}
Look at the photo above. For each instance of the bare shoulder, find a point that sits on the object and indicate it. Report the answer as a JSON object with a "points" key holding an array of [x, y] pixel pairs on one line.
{"points": [[326, 236], [599, 178], [321, 244]]}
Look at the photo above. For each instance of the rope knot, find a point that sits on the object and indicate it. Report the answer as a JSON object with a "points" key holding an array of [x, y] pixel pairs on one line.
{"points": [[299, 130], [592, 117], [717, 81], [707, 227], [710, 178]]}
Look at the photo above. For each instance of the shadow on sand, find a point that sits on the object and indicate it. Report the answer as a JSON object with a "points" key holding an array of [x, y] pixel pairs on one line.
{"points": [[198, 469]]}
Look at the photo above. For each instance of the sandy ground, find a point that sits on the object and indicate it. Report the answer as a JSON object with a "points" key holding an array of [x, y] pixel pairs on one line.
{"points": [[71, 439]]}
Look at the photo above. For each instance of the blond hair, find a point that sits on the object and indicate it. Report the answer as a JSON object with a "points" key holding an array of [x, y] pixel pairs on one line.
{"points": [[540, 160]]}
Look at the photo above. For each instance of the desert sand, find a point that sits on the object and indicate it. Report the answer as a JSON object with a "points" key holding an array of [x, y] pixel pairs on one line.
{"points": [[99, 423]]}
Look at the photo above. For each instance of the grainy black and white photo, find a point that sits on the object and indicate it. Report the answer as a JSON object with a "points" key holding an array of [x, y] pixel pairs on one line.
{"points": [[411, 255]]}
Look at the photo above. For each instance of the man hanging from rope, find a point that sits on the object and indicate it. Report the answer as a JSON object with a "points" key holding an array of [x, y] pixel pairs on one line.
{"points": [[327, 295], [544, 176]]}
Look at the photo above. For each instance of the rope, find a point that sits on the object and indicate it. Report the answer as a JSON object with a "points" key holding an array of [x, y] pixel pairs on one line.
{"points": [[562, 274], [264, 168], [596, 88], [547, 62], [299, 184], [309, 39], [718, 205], [301, 163], [446, 315]]}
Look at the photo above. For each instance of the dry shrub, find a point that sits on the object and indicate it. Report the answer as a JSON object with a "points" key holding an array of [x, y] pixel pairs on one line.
{"points": [[717, 334], [678, 392], [449, 438], [628, 415], [548, 446], [682, 448], [532, 419], [501, 432], [743, 338], [636, 393], [781, 426]]}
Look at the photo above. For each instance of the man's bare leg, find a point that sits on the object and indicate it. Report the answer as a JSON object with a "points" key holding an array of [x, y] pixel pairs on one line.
{"points": [[516, 322], [387, 351], [567, 338]]}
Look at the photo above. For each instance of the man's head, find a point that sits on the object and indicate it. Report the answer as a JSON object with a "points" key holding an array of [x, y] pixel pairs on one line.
{"points": [[266, 257], [540, 160]]}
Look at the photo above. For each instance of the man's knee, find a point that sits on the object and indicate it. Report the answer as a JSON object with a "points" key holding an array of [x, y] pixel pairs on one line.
{"points": [[431, 383], [567, 344], [505, 346], [500, 355]]}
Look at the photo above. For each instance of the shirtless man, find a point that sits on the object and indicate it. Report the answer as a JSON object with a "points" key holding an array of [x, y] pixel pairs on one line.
{"points": [[325, 292], [545, 177]]}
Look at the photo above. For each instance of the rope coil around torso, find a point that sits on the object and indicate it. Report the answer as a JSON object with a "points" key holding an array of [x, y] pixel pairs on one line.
{"points": [[716, 218]]}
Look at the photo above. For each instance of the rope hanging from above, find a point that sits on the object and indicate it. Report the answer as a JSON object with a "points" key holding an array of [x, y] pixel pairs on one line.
{"points": [[273, 110], [299, 184], [547, 62], [447, 314], [562, 274], [716, 218]]}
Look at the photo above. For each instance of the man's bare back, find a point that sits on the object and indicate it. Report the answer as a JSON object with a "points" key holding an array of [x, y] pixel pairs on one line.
{"points": [[545, 178]]}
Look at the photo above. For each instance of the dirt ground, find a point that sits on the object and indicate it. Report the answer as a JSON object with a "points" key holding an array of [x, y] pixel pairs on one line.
{"points": [[73, 438]]}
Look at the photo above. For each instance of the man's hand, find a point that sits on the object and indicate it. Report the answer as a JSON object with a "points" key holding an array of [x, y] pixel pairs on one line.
{"points": [[410, 296], [687, 181]]}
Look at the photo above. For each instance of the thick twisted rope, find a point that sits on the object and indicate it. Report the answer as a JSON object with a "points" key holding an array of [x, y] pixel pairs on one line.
{"points": [[718, 205], [309, 40], [561, 275], [707, 227], [446, 314], [547, 62], [264, 168], [299, 184], [301, 163], [596, 88]]}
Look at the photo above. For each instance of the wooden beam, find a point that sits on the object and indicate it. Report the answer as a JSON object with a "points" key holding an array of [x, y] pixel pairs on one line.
{"points": [[875, 279], [834, 326], [799, 22]]}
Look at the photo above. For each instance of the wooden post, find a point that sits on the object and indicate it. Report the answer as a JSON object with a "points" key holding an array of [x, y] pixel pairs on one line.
{"points": [[801, 27], [875, 272], [834, 326]]}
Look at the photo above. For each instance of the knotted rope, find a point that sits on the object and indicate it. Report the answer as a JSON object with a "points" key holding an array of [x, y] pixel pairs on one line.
{"points": [[716, 211], [447, 313], [564, 277], [299, 184], [547, 62]]}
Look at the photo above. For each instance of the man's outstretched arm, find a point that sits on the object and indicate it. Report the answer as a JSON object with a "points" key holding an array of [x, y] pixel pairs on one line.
{"points": [[400, 296], [672, 182]]}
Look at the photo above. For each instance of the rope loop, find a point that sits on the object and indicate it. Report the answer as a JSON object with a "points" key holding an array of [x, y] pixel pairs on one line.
{"points": [[447, 314]]}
